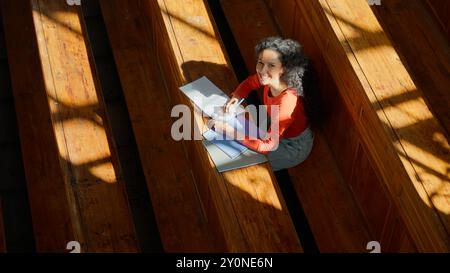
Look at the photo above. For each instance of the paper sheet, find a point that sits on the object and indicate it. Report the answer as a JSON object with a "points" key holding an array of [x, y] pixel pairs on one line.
{"points": [[231, 147], [226, 154]]}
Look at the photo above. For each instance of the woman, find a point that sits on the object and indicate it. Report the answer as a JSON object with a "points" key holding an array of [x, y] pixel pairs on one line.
{"points": [[280, 68]]}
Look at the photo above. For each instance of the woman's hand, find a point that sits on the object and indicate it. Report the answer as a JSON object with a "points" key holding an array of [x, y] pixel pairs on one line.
{"points": [[230, 104]]}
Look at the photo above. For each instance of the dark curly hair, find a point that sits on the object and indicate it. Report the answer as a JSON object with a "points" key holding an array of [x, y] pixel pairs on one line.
{"points": [[298, 73]]}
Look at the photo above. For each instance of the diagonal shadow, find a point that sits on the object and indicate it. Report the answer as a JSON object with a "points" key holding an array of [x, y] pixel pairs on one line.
{"points": [[364, 40], [92, 112], [194, 24], [58, 18]]}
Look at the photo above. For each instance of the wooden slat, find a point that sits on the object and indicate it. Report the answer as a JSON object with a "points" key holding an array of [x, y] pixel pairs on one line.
{"points": [[441, 9], [423, 49], [13, 196], [180, 219], [357, 171], [244, 207], [405, 143], [339, 226], [334, 216], [250, 25], [287, 10], [75, 194]]}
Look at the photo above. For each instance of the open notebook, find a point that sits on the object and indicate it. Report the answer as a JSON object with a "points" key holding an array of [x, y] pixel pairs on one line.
{"points": [[226, 154], [231, 147]]}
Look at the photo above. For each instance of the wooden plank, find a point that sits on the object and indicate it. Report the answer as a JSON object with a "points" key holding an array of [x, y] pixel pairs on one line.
{"points": [[180, 219], [340, 226], [441, 9], [284, 11], [397, 136], [56, 228], [74, 192], [253, 21], [12, 184], [412, 121], [394, 238], [244, 207], [424, 51], [370, 193]]}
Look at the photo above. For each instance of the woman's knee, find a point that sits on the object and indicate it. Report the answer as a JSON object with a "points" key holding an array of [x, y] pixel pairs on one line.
{"points": [[281, 160]]}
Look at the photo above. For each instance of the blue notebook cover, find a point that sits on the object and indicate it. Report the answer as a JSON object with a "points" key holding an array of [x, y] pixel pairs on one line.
{"points": [[230, 147]]}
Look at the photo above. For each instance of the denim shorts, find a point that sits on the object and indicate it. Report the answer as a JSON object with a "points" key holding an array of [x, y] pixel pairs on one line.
{"points": [[292, 151]]}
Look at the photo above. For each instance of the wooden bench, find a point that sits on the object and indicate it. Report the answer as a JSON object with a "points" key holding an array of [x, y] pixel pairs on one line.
{"points": [[74, 192], [396, 160], [441, 10], [332, 213], [15, 211], [181, 222], [423, 49], [244, 207]]}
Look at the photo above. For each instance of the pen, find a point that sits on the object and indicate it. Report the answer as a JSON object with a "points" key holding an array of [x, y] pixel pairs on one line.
{"points": [[235, 107]]}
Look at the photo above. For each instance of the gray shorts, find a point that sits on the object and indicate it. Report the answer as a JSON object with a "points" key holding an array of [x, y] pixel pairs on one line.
{"points": [[292, 151]]}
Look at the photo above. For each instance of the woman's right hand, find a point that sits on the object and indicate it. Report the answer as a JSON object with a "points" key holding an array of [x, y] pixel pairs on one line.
{"points": [[230, 104]]}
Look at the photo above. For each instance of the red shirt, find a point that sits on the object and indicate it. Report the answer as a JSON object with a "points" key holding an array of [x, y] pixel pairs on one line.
{"points": [[292, 117]]}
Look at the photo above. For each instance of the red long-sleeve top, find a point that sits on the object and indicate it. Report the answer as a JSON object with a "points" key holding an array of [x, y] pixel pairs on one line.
{"points": [[292, 116]]}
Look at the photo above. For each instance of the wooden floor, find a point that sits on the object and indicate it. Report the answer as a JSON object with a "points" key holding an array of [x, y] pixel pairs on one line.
{"points": [[339, 227]]}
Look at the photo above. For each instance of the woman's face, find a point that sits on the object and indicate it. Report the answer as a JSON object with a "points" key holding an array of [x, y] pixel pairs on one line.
{"points": [[269, 67]]}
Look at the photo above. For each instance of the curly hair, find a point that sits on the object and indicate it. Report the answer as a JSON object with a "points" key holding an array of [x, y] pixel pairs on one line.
{"points": [[292, 59], [298, 73]]}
